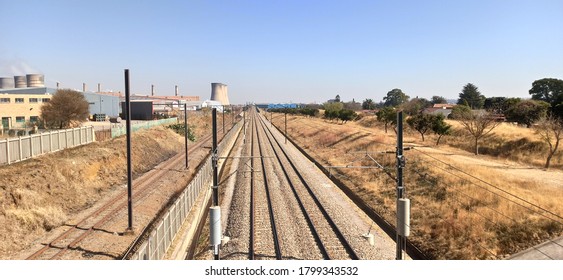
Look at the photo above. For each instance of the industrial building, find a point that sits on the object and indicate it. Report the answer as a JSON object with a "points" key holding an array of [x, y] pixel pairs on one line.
{"points": [[21, 98]]}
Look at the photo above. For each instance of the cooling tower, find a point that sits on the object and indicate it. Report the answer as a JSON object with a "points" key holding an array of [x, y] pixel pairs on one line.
{"points": [[20, 81], [6, 82], [35, 80], [219, 93]]}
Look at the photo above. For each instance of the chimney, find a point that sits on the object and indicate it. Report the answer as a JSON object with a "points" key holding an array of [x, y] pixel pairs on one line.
{"points": [[176, 90], [84, 87], [152, 90], [99, 86], [58, 85]]}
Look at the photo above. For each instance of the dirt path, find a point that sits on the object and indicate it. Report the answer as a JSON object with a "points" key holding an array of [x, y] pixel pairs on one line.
{"points": [[503, 168]]}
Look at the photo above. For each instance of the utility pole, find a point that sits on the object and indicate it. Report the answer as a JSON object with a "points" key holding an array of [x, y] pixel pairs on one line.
{"points": [[223, 113], [129, 167], [403, 204], [285, 128], [186, 132], [244, 125], [271, 119], [215, 210]]}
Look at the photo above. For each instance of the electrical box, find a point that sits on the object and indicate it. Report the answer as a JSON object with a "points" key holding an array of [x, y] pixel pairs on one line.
{"points": [[215, 225], [403, 216]]}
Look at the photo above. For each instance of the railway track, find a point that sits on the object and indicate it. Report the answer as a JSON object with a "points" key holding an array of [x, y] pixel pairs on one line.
{"points": [[142, 187], [265, 242], [262, 211]]}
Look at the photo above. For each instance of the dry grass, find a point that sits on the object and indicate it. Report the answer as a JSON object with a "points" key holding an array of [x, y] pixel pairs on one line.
{"points": [[510, 142], [40, 194], [454, 216]]}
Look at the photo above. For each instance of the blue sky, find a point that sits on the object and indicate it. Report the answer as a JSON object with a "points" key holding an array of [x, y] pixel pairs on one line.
{"points": [[286, 51]]}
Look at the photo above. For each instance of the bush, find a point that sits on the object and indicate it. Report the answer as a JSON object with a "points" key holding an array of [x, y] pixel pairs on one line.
{"points": [[180, 128]]}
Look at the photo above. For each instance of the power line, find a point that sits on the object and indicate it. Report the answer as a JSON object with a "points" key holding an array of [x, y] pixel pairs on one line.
{"points": [[493, 186], [484, 217]]}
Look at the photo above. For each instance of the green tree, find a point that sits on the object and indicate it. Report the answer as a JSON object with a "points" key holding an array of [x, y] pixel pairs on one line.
{"points": [[368, 104], [551, 91], [471, 96], [346, 115], [438, 100], [527, 112], [415, 106], [332, 109], [551, 132], [440, 127], [387, 115], [395, 97], [421, 123], [65, 109], [459, 111]]}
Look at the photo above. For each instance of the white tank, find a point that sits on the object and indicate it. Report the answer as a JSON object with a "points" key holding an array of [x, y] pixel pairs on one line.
{"points": [[6, 82], [20, 81], [35, 80]]}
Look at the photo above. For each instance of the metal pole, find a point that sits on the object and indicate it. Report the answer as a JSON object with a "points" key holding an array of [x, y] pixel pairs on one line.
{"points": [[400, 187], [129, 168], [186, 132], [244, 125], [214, 159], [271, 119], [285, 128], [214, 163]]}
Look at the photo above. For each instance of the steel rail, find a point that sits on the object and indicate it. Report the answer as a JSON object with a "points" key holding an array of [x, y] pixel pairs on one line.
{"points": [[349, 249]]}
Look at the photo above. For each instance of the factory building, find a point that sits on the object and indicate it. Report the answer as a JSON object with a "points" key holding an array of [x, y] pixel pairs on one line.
{"points": [[21, 98]]}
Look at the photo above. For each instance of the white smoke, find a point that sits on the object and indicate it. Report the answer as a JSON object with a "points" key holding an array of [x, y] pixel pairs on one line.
{"points": [[16, 67]]}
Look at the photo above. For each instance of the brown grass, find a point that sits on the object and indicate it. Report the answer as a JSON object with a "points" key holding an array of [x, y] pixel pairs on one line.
{"points": [[510, 142], [40, 194], [454, 216]]}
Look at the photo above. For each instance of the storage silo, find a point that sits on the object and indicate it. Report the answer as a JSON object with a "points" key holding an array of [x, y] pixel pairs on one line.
{"points": [[20, 81], [219, 93], [6, 82], [35, 80]]}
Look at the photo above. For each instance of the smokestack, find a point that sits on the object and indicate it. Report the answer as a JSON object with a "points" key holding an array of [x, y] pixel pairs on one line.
{"points": [[176, 90], [152, 90], [83, 87], [99, 86], [58, 85]]}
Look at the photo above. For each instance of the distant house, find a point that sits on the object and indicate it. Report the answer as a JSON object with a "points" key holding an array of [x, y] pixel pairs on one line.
{"points": [[436, 111], [444, 106], [444, 109]]}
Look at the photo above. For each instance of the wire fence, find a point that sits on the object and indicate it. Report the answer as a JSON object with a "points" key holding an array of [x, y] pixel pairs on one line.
{"points": [[120, 129], [25, 147], [160, 239]]}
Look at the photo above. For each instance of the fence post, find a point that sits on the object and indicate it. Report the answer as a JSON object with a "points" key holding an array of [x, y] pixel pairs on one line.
{"points": [[8, 150], [20, 147], [41, 142], [30, 146]]}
